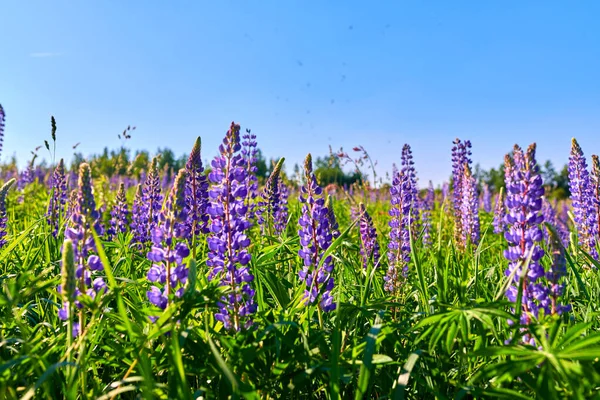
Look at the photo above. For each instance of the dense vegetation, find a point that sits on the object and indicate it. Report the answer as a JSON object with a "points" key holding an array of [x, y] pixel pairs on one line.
{"points": [[447, 331]]}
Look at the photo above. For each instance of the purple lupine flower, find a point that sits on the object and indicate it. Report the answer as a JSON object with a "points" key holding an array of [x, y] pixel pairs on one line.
{"points": [[83, 219], [270, 202], [469, 209], [2, 121], [26, 176], [249, 154], [282, 213], [583, 200], [148, 208], [409, 171], [119, 213], [524, 191], [399, 245], [169, 247], [58, 197], [3, 218], [228, 255], [333, 224], [368, 238], [595, 181], [487, 198], [315, 238], [499, 213], [196, 191], [460, 157]]}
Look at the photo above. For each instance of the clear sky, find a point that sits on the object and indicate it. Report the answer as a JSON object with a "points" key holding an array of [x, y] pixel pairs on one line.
{"points": [[304, 75]]}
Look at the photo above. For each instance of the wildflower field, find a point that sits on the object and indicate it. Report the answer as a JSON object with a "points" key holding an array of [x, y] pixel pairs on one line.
{"points": [[208, 283]]}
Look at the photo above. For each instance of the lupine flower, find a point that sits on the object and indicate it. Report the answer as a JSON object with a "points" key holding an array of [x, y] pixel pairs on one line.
{"points": [[281, 215], [582, 196], [169, 247], [137, 219], [58, 197], [524, 191], [119, 213], [228, 256], [595, 181], [2, 120], [315, 238], [469, 209], [445, 191], [551, 217], [368, 238], [270, 202], [196, 192], [249, 153], [333, 224], [84, 217], [409, 171], [487, 198], [148, 208], [399, 245], [499, 213], [3, 218], [460, 157]]}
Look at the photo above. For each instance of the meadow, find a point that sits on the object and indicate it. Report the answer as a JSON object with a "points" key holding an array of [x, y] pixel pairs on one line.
{"points": [[208, 283]]}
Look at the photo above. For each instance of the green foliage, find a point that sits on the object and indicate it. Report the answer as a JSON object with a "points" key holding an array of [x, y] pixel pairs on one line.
{"points": [[445, 335]]}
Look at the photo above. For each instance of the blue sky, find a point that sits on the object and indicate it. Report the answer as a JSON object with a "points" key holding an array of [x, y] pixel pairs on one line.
{"points": [[304, 75]]}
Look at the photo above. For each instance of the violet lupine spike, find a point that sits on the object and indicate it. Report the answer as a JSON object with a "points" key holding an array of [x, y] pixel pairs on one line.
{"points": [[58, 197], [595, 181], [499, 213], [196, 192], [445, 191], [228, 255], [469, 209], [315, 237], [150, 205], [399, 244], [282, 213], [169, 248], [270, 202], [524, 191], [487, 198], [119, 214], [249, 154], [369, 248], [3, 217], [410, 173], [460, 157], [333, 224], [582, 197], [2, 121], [84, 219]]}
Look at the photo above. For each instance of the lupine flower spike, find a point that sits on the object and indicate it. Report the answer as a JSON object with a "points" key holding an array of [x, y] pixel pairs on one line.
{"points": [[315, 238], [399, 246], [270, 201], [582, 195], [169, 247], [369, 248], [196, 192], [119, 213], [2, 121], [228, 255], [58, 197]]}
